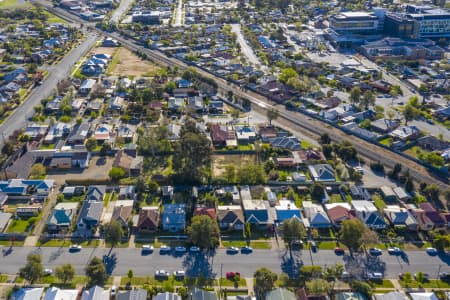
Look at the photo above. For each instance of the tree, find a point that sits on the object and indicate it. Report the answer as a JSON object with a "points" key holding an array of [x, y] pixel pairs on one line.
{"points": [[204, 232], [247, 230], [91, 143], [409, 113], [96, 272], [105, 149], [8, 148], [113, 233], [351, 233], [369, 237], [355, 94], [264, 281], [272, 114], [441, 242], [116, 173], [37, 171], [432, 191], [292, 230], [130, 275], [235, 113], [324, 139], [287, 74], [33, 269], [407, 278], [368, 99], [318, 286], [362, 287], [317, 190], [390, 114], [65, 273], [230, 174]]}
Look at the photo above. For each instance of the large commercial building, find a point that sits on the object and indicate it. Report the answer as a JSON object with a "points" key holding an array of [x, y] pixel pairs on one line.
{"points": [[354, 23]]}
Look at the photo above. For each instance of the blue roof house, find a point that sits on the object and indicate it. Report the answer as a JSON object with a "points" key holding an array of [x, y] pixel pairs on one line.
{"points": [[174, 217], [287, 210]]}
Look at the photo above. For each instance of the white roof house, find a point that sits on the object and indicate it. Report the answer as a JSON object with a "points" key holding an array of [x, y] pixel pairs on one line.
{"points": [[423, 296], [55, 293], [95, 293], [390, 296], [28, 294]]}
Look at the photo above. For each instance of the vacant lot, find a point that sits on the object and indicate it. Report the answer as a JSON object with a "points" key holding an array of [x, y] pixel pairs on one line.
{"points": [[104, 50], [126, 63], [220, 161]]}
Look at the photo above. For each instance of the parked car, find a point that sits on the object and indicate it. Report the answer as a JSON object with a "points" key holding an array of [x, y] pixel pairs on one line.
{"points": [[231, 275], [194, 249], [180, 249], [246, 249], [161, 274], [147, 249], [179, 274], [313, 246], [394, 251], [444, 276], [75, 248], [426, 276], [113, 290], [375, 276], [375, 252], [164, 249], [232, 250], [431, 251], [48, 272], [339, 251]]}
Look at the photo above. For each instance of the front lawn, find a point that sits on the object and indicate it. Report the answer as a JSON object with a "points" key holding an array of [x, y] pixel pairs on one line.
{"points": [[226, 282], [385, 283], [427, 284], [254, 244]]}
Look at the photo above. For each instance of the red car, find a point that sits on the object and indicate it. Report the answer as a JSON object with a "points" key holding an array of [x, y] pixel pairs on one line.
{"points": [[339, 251], [231, 275]]}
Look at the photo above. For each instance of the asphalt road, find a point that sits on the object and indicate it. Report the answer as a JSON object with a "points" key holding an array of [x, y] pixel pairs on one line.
{"points": [[122, 9], [245, 47], [276, 260], [18, 119]]}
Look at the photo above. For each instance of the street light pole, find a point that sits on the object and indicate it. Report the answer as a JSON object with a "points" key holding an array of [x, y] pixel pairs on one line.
{"points": [[220, 282]]}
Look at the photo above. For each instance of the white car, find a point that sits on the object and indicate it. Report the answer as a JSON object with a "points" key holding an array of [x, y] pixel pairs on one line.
{"points": [[161, 274], [113, 290], [48, 272], [179, 274], [394, 251], [147, 248], [194, 249], [164, 249], [431, 251], [180, 249], [75, 248]]}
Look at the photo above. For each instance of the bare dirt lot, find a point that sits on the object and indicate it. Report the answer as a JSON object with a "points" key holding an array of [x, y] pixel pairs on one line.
{"points": [[126, 63], [104, 50], [220, 161]]}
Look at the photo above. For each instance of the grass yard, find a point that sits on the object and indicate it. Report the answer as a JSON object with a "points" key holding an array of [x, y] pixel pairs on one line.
{"points": [[220, 161], [327, 245], [129, 64], [229, 283], [253, 244], [385, 283], [6, 4], [18, 226], [427, 284], [52, 280], [51, 18]]}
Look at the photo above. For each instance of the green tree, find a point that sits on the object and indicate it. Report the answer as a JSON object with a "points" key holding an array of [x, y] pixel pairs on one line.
{"points": [[368, 99], [318, 286], [116, 173], [247, 230], [325, 139], [432, 191], [264, 281], [351, 233], [8, 148], [362, 287], [37, 171], [272, 114], [292, 230], [407, 278], [409, 113], [420, 278], [251, 174], [441, 242], [287, 74], [33, 269], [235, 113], [204, 232], [130, 275], [355, 94], [113, 233], [96, 272], [230, 174], [65, 273], [91, 143], [317, 190]]}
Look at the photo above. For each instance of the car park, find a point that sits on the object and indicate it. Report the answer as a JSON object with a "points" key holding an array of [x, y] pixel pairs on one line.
{"points": [[232, 250], [164, 249], [246, 249], [375, 252], [232, 275]]}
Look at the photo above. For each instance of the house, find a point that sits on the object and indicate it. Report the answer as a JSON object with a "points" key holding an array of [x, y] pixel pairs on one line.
{"points": [[350, 296], [229, 190], [432, 143], [205, 211], [432, 214], [406, 133], [90, 214], [137, 294], [400, 217], [28, 294], [218, 134], [103, 132], [167, 193], [280, 294], [359, 192], [390, 296], [148, 220], [286, 142], [95, 293], [198, 294], [443, 114], [61, 216], [4, 220], [25, 188], [287, 210], [322, 173], [79, 134], [368, 214], [388, 193], [256, 212], [55, 293], [245, 135], [126, 132], [131, 165], [86, 86], [127, 193], [122, 213], [309, 156], [36, 131], [284, 162], [423, 296], [110, 42], [175, 105], [384, 125], [196, 104], [96, 193], [316, 216], [425, 223], [401, 194], [230, 217], [174, 217], [339, 212], [216, 107], [116, 105], [25, 212], [267, 133], [56, 132]]}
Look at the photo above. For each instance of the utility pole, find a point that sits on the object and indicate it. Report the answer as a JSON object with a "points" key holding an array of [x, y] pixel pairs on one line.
{"points": [[220, 282]]}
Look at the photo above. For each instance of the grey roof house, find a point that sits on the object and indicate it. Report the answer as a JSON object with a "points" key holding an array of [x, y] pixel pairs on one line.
{"points": [[174, 217], [322, 173]]}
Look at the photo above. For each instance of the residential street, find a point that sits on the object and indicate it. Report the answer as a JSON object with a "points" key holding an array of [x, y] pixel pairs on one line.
{"points": [[276, 260], [246, 49], [179, 14], [18, 118], [120, 11]]}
